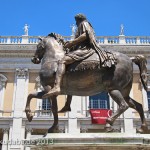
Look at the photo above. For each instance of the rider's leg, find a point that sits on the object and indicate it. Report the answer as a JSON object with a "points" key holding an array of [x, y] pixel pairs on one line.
{"points": [[59, 75]]}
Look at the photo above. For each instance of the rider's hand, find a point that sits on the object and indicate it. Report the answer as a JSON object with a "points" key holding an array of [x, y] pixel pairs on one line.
{"points": [[68, 44]]}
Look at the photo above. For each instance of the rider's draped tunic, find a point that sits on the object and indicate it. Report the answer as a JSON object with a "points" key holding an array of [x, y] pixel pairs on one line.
{"points": [[85, 49]]}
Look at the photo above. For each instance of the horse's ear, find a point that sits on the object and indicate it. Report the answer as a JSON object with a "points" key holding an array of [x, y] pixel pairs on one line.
{"points": [[53, 35]]}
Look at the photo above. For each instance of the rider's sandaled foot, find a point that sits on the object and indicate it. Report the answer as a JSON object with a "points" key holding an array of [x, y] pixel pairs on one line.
{"points": [[64, 109], [54, 91]]}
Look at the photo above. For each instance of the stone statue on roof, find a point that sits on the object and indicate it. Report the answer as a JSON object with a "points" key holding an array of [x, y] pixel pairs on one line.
{"points": [[26, 29]]}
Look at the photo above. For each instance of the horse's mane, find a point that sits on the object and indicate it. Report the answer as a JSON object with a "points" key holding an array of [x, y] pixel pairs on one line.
{"points": [[57, 37]]}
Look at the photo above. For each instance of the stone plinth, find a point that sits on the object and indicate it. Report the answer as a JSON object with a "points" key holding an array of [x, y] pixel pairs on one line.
{"points": [[90, 141]]}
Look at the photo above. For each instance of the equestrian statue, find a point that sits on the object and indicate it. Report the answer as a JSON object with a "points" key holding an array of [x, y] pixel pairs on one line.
{"points": [[81, 67]]}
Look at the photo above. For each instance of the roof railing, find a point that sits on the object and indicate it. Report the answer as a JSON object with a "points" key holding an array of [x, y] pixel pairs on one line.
{"points": [[102, 40]]}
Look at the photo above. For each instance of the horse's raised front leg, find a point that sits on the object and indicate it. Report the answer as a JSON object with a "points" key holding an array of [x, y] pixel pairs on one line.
{"points": [[123, 106], [54, 108], [27, 108], [67, 105]]}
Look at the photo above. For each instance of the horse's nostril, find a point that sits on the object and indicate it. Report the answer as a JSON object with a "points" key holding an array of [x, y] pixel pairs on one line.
{"points": [[37, 60], [33, 59]]}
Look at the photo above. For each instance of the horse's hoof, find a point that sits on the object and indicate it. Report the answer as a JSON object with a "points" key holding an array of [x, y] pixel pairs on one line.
{"points": [[53, 130], [109, 129], [29, 115], [109, 121], [45, 134], [143, 129], [30, 118], [64, 109]]}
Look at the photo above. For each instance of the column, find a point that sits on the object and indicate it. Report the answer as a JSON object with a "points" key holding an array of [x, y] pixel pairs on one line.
{"points": [[73, 128], [18, 102], [5, 139]]}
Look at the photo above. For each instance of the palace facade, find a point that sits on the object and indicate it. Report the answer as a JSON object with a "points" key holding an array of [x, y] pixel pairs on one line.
{"points": [[19, 77]]}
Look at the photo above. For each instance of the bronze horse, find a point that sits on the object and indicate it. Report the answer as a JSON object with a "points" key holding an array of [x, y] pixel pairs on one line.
{"points": [[86, 78]]}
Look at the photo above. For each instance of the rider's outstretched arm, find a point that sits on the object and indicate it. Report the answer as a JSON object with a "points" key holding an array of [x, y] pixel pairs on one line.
{"points": [[76, 41], [80, 39]]}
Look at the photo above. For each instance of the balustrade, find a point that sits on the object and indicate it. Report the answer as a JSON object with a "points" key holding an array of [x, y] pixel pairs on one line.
{"points": [[102, 40]]}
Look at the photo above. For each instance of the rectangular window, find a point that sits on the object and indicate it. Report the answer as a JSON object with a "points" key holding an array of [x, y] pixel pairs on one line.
{"points": [[46, 107], [99, 101]]}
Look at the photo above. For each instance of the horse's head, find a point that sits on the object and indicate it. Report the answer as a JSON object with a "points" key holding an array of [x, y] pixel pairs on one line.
{"points": [[36, 59], [53, 42]]}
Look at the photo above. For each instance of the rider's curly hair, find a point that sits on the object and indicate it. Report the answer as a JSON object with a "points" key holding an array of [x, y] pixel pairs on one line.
{"points": [[80, 16]]}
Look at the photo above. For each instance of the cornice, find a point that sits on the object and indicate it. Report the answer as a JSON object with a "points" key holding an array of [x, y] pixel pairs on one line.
{"points": [[17, 54], [18, 47], [21, 51]]}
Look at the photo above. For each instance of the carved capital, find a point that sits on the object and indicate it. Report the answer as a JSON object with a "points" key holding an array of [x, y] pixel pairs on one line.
{"points": [[3, 81], [5, 130], [21, 72]]}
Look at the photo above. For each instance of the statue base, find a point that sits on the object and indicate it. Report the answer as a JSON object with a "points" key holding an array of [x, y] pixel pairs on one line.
{"points": [[89, 141]]}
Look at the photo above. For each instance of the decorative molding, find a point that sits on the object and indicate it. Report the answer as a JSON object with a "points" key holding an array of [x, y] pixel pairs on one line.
{"points": [[21, 72]]}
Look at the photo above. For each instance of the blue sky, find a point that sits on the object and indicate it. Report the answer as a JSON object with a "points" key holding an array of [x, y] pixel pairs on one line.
{"points": [[45, 16]]}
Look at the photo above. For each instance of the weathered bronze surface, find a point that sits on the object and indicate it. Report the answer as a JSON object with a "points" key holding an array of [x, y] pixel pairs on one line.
{"points": [[87, 76], [83, 46]]}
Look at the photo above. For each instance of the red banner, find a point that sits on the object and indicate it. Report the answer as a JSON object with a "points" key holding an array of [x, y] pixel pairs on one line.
{"points": [[99, 116]]}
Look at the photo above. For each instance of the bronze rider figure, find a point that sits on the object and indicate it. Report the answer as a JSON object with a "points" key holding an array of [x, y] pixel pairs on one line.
{"points": [[83, 46]]}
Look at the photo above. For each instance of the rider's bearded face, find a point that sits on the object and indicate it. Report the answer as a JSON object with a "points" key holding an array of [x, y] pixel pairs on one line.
{"points": [[78, 21]]}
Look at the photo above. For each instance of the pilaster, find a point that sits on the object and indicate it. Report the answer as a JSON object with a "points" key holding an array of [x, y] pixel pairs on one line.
{"points": [[18, 102]]}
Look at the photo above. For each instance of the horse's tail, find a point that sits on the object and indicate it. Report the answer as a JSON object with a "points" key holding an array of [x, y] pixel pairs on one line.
{"points": [[141, 61]]}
